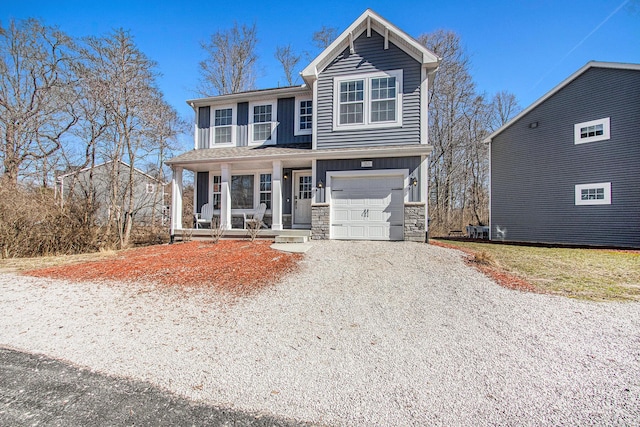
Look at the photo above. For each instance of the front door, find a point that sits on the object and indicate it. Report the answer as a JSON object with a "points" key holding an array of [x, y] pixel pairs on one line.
{"points": [[302, 190]]}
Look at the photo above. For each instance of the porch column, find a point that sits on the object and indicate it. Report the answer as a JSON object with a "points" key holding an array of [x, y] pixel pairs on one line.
{"points": [[424, 188], [225, 196], [176, 200], [276, 195]]}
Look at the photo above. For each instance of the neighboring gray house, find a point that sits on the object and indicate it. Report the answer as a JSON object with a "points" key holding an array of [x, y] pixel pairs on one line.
{"points": [[567, 169], [344, 155], [148, 191]]}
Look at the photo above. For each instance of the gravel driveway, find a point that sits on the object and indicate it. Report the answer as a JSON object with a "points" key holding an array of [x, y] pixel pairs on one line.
{"points": [[366, 333]]}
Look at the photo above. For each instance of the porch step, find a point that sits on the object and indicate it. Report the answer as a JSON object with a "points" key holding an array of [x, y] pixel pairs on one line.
{"points": [[293, 236], [292, 239]]}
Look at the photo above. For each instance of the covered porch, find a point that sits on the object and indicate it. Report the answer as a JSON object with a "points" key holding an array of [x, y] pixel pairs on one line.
{"points": [[235, 185]]}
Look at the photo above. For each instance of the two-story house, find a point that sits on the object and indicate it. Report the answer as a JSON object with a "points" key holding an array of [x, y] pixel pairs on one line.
{"points": [[566, 170], [344, 155]]}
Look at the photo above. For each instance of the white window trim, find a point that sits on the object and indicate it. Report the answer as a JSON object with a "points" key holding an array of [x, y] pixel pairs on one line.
{"points": [[274, 122], [234, 122], [607, 194], [367, 101], [606, 131], [297, 131]]}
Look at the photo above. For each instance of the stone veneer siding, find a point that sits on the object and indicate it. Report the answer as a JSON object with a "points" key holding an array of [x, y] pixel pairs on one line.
{"points": [[414, 222], [320, 221]]}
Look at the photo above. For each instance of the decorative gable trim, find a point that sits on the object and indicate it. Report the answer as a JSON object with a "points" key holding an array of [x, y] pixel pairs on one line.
{"points": [[365, 23]]}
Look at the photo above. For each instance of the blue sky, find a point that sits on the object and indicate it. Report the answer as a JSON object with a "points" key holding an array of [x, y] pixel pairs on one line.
{"points": [[524, 47]]}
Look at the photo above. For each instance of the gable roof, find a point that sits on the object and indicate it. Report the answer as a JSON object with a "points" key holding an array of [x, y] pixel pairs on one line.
{"points": [[572, 77], [100, 165], [368, 21]]}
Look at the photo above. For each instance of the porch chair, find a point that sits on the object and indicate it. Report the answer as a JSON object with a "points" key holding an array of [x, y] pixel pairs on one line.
{"points": [[205, 216], [255, 217]]}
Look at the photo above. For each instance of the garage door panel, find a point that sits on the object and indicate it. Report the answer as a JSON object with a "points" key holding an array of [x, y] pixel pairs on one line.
{"points": [[370, 208]]}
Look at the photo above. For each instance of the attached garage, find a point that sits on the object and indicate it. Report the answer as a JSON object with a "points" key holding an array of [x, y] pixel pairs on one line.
{"points": [[369, 207]]}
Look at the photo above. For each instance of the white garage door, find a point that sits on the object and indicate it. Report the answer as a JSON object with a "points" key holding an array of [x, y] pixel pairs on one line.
{"points": [[370, 208]]}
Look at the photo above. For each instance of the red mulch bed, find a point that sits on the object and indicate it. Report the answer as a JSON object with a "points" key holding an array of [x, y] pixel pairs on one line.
{"points": [[234, 266], [501, 277]]}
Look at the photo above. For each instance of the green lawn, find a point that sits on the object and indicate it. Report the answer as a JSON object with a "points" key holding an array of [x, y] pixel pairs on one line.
{"points": [[593, 274]]}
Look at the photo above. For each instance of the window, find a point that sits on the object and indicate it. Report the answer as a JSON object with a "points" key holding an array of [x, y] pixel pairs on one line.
{"points": [[223, 126], [304, 117], [242, 192], [351, 102], [217, 191], [261, 119], [265, 189], [593, 194], [595, 130], [383, 99], [370, 100]]}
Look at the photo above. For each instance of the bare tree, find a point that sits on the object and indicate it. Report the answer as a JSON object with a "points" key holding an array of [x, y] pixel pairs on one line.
{"points": [[505, 106], [289, 61], [230, 66], [132, 106], [36, 95], [324, 37]]}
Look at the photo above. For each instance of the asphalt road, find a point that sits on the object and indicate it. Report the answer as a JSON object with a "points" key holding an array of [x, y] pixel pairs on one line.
{"points": [[38, 391]]}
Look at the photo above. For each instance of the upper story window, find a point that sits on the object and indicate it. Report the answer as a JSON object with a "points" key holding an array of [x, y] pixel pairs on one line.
{"points": [[595, 130], [593, 194], [223, 120], [304, 117], [262, 122], [368, 100]]}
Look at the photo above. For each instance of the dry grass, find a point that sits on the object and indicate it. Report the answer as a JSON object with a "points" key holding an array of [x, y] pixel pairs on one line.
{"points": [[592, 274], [16, 265]]}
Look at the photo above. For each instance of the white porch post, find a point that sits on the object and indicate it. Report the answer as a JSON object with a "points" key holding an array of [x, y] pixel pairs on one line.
{"points": [[176, 200], [276, 195], [225, 196], [424, 188]]}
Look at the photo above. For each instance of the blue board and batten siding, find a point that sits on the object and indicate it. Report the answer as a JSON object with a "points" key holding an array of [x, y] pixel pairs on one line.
{"points": [[285, 116], [534, 170], [370, 56], [411, 163]]}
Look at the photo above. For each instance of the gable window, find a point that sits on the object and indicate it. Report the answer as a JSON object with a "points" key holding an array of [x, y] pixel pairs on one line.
{"points": [[595, 130], [304, 117], [261, 120], [369, 100], [593, 194], [351, 102], [383, 99], [265, 189], [223, 126]]}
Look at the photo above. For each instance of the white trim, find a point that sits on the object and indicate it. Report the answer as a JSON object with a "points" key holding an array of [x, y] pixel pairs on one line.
{"points": [[370, 20], [424, 102], [606, 131], [274, 122], [296, 130], [314, 133], [234, 122], [601, 185], [366, 78]]}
